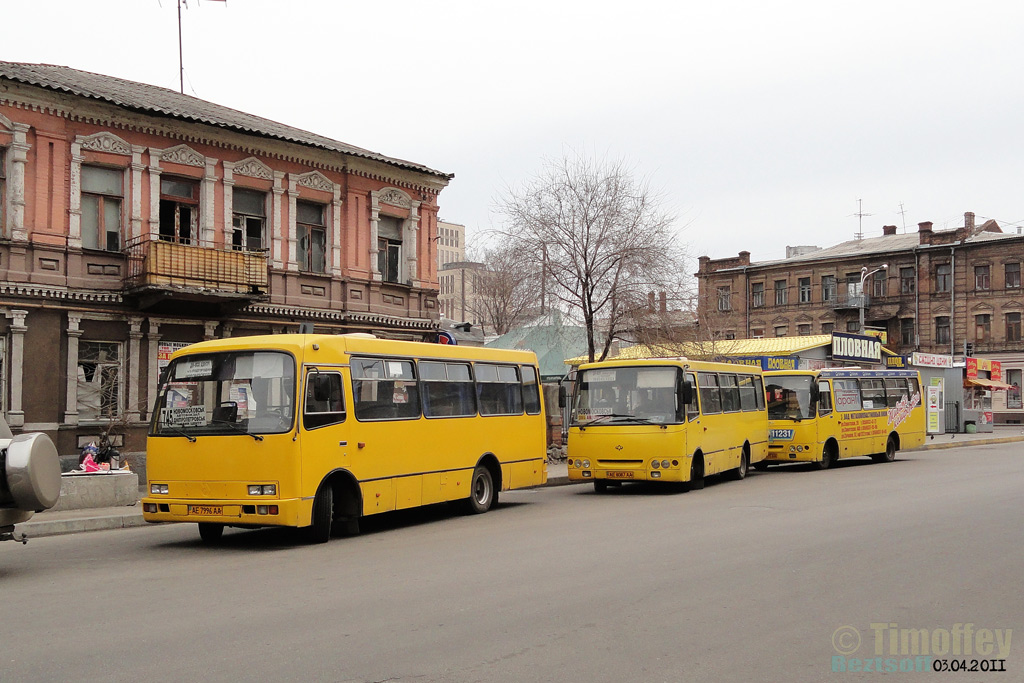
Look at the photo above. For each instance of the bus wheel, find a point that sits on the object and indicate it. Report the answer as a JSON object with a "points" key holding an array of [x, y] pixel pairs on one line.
{"points": [[210, 532], [600, 485], [323, 510], [481, 496], [828, 458], [696, 473], [740, 472], [890, 452]]}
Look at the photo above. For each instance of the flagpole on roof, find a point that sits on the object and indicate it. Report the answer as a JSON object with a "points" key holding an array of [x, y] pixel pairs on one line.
{"points": [[181, 63]]}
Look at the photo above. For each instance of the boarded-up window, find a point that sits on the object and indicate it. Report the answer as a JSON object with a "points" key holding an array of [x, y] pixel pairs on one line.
{"points": [[99, 380]]}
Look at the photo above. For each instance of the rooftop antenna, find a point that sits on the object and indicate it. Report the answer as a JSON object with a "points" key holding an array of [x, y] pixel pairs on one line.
{"points": [[181, 62], [903, 213], [860, 220]]}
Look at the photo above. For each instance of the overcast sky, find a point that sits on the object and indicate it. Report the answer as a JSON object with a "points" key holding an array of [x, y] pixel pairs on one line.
{"points": [[762, 123]]}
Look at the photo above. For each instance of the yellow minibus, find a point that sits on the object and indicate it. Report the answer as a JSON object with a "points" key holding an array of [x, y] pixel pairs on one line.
{"points": [[317, 431], [821, 416], [665, 419]]}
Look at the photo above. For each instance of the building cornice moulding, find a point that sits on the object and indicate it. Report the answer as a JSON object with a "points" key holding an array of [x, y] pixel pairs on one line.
{"points": [[59, 293], [84, 110]]}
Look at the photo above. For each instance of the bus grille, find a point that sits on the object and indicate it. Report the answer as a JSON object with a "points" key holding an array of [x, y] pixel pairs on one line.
{"points": [[620, 463]]}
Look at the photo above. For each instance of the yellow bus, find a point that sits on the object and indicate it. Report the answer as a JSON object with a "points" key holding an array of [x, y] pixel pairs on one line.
{"points": [[665, 419], [317, 431], [824, 415]]}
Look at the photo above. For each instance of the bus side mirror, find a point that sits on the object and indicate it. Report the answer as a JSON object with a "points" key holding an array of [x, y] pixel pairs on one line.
{"points": [[815, 394], [563, 396], [321, 387], [686, 392]]}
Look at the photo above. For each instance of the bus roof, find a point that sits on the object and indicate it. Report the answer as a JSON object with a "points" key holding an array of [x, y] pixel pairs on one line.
{"points": [[698, 365], [843, 372], [298, 344]]}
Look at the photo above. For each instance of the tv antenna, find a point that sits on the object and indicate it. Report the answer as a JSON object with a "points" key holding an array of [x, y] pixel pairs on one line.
{"points": [[860, 219], [903, 213]]}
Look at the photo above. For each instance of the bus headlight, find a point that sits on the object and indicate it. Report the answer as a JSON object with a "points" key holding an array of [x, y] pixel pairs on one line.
{"points": [[262, 489], [586, 464], [664, 464], [655, 464], [158, 488]]}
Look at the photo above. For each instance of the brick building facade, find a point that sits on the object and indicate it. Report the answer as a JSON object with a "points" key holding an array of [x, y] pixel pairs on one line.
{"points": [[135, 220], [943, 292]]}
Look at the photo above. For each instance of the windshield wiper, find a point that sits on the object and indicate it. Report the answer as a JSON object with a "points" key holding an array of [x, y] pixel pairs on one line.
{"points": [[179, 431], [237, 429], [620, 416]]}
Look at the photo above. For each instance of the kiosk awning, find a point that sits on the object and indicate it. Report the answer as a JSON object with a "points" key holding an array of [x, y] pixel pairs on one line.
{"points": [[987, 383]]}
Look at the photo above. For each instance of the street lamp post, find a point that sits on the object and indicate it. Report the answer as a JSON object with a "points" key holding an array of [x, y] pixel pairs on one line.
{"points": [[864, 275]]}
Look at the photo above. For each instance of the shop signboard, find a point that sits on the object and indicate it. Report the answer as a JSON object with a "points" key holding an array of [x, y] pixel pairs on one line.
{"points": [[931, 360]]}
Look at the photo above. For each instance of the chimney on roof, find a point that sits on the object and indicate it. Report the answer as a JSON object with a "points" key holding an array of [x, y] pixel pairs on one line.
{"points": [[888, 229], [663, 302], [969, 221], [924, 232]]}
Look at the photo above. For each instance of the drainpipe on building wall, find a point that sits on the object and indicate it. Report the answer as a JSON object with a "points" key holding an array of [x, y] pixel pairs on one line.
{"points": [[746, 300], [917, 300], [952, 300]]}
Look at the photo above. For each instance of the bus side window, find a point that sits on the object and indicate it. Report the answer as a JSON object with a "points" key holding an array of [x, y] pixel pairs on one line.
{"points": [[324, 400], [759, 385], [824, 399], [748, 393], [692, 408], [531, 390], [895, 389], [730, 393], [710, 397]]}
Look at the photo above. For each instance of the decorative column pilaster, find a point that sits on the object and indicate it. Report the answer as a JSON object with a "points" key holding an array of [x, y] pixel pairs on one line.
{"points": [[207, 189], [210, 330], [75, 208], [229, 203], [154, 192], [136, 189], [374, 221], [291, 244], [134, 367], [152, 346], [336, 230], [19, 158], [74, 332], [412, 231], [278, 257], [18, 327]]}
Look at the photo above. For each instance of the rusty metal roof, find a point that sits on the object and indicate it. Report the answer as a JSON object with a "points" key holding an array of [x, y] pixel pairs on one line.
{"points": [[151, 99]]}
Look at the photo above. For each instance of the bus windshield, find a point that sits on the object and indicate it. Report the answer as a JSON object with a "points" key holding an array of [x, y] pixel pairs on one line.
{"points": [[234, 392], [627, 394], [789, 398]]}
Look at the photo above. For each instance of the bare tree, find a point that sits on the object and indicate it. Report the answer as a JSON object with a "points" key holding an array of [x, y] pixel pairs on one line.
{"points": [[602, 239], [506, 289]]}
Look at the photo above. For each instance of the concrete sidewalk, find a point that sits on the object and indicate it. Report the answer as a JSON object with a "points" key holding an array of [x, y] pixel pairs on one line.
{"points": [[52, 523]]}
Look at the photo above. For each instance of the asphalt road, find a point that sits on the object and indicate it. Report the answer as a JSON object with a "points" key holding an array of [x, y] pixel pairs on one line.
{"points": [[742, 581]]}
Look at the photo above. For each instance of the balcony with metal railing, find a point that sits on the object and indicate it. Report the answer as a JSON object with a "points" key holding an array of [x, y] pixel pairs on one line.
{"points": [[190, 270]]}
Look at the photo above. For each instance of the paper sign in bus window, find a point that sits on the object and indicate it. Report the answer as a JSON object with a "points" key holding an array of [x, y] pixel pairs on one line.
{"points": [[195, 368], [192, 416]]}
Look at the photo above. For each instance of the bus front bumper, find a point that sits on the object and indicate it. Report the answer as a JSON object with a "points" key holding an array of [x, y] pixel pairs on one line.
{"points": [[794, 453], [674, 473], [277, 512]]}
